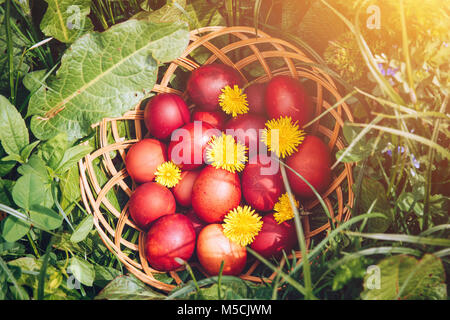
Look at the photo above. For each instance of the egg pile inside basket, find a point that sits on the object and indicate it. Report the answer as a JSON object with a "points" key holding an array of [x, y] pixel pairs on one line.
{"points": [[201, 178]]}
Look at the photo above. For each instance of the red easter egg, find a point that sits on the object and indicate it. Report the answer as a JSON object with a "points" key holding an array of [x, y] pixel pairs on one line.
{"points": [[150, 201], [286, 96], [246, 129], [273, 237], [215, 193], [170, 237], [196, 222], [165, 113], [143, 158], [205, 84], [313, 162], [214, 118], [183, 190], [262, 183], [255, 97], [189, 144], [213, 247]]}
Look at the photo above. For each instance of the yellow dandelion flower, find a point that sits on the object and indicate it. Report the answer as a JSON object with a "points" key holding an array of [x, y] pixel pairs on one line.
{"points": [[225, 153], [168, 174], [283, 209], [233, 101], [241, 225], [282, 136]]}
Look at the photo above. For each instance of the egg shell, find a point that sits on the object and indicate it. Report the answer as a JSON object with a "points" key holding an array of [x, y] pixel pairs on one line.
{"points": [[171, 236], [313, 162], [247, 129], [285, 96], [205, 84], [213, 247], [188, 146], [164, 113], [150, 201], [215, 193], [255, 98], [183, 190], [214, 118], [143, 158], [262, 183], [273, 237], [196, 221]]}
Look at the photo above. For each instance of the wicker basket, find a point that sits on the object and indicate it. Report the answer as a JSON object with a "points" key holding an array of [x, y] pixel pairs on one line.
{"points": [[120, 234]]}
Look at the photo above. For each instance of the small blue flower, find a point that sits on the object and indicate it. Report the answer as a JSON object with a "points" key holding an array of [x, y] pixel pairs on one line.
{"points": [[415, 162]]}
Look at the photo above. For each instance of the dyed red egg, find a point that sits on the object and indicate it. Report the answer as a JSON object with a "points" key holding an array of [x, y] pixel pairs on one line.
{"points": [[215, 193], [150, 201], [262, 183], [196, 222], [213, 247], [255, 97], [165, 113], [246, 129], [170, 237], [183, 190], [143, 158], [205, 84], [285, 96], [313, 162], [188, 145], [214, 118], [273, 237]]}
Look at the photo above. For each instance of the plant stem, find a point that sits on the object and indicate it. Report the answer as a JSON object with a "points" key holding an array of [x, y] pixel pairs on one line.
{"points": [[301, 237], [10, 51]]}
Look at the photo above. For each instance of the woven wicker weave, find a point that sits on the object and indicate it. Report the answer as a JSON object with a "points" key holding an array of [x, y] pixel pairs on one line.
{"points": [[120, 234]]}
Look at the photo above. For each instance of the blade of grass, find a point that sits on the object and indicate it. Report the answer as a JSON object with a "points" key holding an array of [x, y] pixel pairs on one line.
{"points": [[402, 238], [10, 51], [11, 277], [43, 271], [406, 53]]}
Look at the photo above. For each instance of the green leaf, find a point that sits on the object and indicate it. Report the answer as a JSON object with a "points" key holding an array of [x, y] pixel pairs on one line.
{"points": [[404, 277], [26, 151], [372, 190], [52, 150], [128, 288], [105, 274], [72, 156], [24, 5], [82, 270], [13, 131], [30, 190], [66, 20], [104, 75], [34, 80], [70, 185], [46, 217], [5, 191], [170, 12], [36, 166], [14, 229], [83, 229]]}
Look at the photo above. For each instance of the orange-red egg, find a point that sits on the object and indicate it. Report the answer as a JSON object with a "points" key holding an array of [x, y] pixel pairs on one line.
{"points": [[214, 118], [143, 158], [262, 184], [247, 129], [215, 193], [213, 247], [255, 98], [285, 96], [273, 237], [148, 202], [313, 162], [183, 190], [171, 236]]}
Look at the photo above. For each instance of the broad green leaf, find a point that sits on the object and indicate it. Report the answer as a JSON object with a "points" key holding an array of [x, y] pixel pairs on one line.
{"points": [[82, 270], [70, 185], [128, 288], [66, 20], [172, 11], [34, 80], [52, 150], [24, 5], [83, 229], [104, 75], [30, 190], [26, 151], [36, 166], [71, 156], [105, 274], [404, 277], [372, 190], [46, 217], [5, 191], [14, 229], [13, 131]]}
